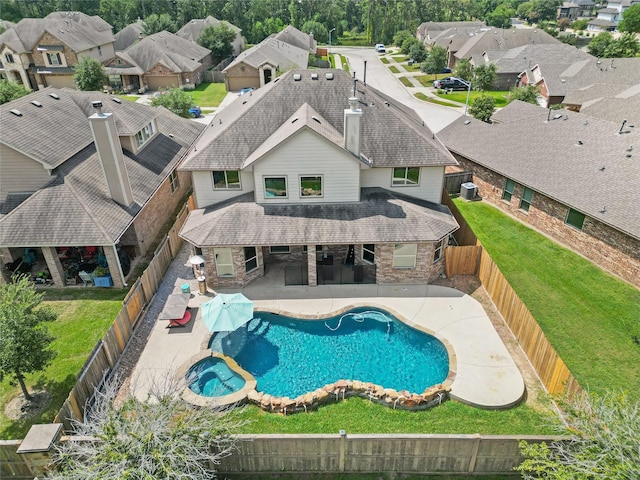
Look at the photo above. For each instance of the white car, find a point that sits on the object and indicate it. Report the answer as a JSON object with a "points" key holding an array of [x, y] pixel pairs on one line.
{"points": [[380, 48]]}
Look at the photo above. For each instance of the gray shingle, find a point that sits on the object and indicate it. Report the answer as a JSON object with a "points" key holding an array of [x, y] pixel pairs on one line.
{"points": [[176, 53], [380, 217]]}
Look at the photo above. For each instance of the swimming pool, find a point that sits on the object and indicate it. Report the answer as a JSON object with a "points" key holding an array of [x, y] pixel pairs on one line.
{"points": [[289, 357], [212, 377]]}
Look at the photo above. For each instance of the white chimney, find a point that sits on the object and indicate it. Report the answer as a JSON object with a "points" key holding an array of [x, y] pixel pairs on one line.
{"points": [[109, 148], [352, 127]]}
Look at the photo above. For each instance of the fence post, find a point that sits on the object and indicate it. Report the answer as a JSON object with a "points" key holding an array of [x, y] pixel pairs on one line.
{"points": [[343, 447], [474, 453]]}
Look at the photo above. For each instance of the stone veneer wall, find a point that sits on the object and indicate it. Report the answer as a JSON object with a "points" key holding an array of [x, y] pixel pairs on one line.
{"points": [[240, 278], [425, 270], [603, 245]]}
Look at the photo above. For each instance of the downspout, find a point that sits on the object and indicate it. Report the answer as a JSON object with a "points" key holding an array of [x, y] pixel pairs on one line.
{"points": [[115, 251]]}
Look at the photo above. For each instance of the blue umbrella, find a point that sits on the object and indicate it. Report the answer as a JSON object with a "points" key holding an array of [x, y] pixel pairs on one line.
{"points": [[227, 312]]}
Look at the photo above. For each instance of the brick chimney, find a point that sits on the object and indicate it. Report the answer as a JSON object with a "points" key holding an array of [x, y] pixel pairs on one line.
{"points": [[352, 127], [109, 148]]}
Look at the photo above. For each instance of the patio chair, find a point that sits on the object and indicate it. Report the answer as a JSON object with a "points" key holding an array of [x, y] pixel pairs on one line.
{"points": [[87, 278]]}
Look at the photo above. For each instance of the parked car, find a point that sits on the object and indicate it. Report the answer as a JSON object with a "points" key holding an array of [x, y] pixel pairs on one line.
{"points": [[450, 83], [380, 48], [195, 111], [245, 90], [444, 70]]}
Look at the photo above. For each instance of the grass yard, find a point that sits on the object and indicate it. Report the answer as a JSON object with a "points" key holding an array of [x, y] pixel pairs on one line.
{"points": [[423, 97], [129, 98], [427, 79], [345, 63], [208, 94], [461, 96], [363, 476], [413, 68], [349, 39], [394, 69], [590, 317], [84, 316], [357, 415], [405, 81], [385, 60]]}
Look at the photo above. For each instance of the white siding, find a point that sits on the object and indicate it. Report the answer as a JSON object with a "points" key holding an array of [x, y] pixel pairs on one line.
{"points": [[205, 195], [19, 173], [306, 153], [430, 187]]}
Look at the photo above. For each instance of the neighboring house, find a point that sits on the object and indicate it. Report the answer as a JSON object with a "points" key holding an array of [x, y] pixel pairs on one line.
{"points": [[511, 63], [262, 63], [192, 30], [609, 17], [295, 37], [162, 60], [612, 103], [569, 175], [78, 184], [555, 81], [129, 35], [576, 9], [41, 52], [500, 39], [300, 178], [427, 32]]}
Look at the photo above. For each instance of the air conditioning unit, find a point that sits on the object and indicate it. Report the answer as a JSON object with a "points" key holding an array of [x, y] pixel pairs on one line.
{"points": [[468, 190]]}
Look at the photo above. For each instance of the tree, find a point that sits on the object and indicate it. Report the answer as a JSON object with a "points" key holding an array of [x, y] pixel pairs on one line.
{"points": [[463, 69], [528, 93], [89, 74], [625, 46], [436, 61], [407, 44], [119, 13], [162, 438], [604, 444], [485, 76], [599, 44], [217, 38], [630, 19], [157, 23], [176, 100], [25, 343], [501, 16], [418, 52], [320, 32], [401, 36], [10, 91], [483, 107]]}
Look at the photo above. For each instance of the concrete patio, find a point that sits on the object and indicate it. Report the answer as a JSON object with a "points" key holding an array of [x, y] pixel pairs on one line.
{"points": [[485, 375]]}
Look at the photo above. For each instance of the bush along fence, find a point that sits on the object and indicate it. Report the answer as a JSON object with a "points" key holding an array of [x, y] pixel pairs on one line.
{"points": [[106, 353]]}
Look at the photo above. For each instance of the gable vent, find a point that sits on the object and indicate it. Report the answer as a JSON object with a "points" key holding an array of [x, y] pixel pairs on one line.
{"points": [[314, 76], [297, 77], [53, 95], [16, 112], [116, 99], [328, 76], [36, 103]]}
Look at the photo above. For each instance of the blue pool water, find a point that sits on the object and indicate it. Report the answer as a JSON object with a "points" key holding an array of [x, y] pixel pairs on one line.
{"points": [[290, 357], [212, 377]]}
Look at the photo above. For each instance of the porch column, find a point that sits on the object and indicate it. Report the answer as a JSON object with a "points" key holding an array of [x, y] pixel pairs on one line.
{"points": [[114, 265], [54, 265], [312, 271]]}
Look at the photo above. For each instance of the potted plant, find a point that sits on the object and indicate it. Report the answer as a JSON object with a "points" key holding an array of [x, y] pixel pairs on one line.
{"points": [[70, 275], [102, 277]]}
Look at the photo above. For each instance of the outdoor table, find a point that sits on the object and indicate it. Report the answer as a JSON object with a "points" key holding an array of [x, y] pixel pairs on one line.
{"points": [[175, 309]]}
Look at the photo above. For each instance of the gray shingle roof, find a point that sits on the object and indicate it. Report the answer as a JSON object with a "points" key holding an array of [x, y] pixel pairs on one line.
{"points": [[276, 52], [392, 134], [295, 37], [128, 36], [521, 58], [176, 53], [499, 39], [75, 207], [192, 29], [546, 157], [380, 217]]}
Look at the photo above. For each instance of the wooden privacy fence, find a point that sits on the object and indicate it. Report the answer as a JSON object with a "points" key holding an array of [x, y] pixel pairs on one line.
{"points": [[462, 260], [452, 181], [554, 374], [107, 351]]}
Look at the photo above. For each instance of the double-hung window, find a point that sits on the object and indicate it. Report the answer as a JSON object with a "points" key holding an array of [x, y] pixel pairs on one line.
{"points": [[224, 262], [275, 187], [525, 201], [226, 180], [369, 252], [404, 255], [439, 248], [9, 57], [509, 187], [174, 181], [406, 176], [250, 259], [311, 186], [54, 59], [575, 219]]}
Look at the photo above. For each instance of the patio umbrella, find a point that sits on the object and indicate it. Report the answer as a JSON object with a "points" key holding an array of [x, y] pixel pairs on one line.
{"points": [[227, 312]]}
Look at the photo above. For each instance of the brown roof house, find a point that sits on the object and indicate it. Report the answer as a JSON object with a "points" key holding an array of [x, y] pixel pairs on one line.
{"points": [[162, 60], [567, 174], [260, 64], [87, 180], [41, 52], [318, 179], [192, 30]]}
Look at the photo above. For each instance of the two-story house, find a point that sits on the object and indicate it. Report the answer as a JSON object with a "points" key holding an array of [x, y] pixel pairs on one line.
{"points": [[609, 17], [323, 177], [41, 52], [86, 179]]}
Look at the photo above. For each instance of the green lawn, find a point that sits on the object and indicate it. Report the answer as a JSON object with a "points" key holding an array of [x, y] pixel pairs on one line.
{"points": [[129, 98], [461, 96], [590, 317], [422, 96], [208, 94], [349, 39], [363, 476], [84, 316], [345, 63], [427, 79], [394, 69], [405, 81], [357, 415], [385, 60]]}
